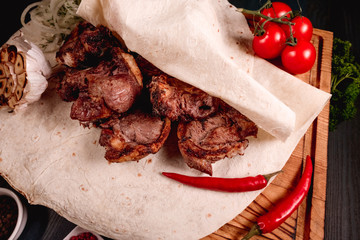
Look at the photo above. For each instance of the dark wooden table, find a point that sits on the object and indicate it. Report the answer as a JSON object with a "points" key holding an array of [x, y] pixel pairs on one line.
{"points": [[342, 216]]}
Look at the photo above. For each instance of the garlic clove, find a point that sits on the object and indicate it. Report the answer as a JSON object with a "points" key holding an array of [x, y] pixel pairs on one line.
{"points": [[2, 86], [8, 54], [19, 66], [7, 70], [9, 87], [2, 71], [19, 91], [21, 79]]}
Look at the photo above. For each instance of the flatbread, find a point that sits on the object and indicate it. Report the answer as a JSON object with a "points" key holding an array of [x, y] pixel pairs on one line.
{"points": [[55, 162]]}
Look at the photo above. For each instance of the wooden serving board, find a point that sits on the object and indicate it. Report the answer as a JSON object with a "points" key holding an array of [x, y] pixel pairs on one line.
{"points": [[308, 221]]}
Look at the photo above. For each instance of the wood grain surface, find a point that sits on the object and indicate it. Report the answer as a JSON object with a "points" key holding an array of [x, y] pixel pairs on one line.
{"points": [[308, 221]]}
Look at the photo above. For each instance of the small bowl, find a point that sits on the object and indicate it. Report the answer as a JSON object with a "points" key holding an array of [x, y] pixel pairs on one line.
{"points": [[22, 213]]}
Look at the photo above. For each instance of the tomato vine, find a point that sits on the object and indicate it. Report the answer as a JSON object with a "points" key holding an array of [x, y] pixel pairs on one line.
{"points": [[297, 52]]}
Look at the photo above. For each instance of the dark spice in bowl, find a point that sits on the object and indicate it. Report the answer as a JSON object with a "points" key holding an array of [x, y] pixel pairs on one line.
{"points": [[84, 236], [8, 216]]}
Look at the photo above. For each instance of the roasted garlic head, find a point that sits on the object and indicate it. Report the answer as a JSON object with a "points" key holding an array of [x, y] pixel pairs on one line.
{"points": [[23, 73]]}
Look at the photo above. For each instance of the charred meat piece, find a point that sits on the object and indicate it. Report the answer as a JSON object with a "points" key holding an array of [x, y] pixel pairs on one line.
{"points": [[86, 109], [133, 136], [112, 85], [202, 142], [116, 64], [72, 81], [85, 45], [118, 82], [177, 100], [118, 91]]}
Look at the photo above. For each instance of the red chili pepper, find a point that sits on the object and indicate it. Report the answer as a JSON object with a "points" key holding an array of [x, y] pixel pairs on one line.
{"points": [[223, 184], [274, 218]]}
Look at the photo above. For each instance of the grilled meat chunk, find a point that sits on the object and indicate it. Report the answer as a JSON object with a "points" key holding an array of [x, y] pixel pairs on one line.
{"points": [[133, 136], [176, 100], [202, 142], [72, 82], [85, 45], [87, 110], [112, 85], [119, 92]]}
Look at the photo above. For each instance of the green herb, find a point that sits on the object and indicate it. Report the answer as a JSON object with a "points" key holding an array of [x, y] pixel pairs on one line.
{"points": [[345, 83]]}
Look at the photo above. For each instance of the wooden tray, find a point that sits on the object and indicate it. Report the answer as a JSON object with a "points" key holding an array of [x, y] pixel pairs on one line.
{"points": [[308, 221]]}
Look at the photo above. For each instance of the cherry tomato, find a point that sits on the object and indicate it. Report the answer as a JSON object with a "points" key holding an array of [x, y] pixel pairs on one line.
{"points": [[302, 30], [278, 9], [270, 44], [281, 9], [270, 12], [299, 58]]}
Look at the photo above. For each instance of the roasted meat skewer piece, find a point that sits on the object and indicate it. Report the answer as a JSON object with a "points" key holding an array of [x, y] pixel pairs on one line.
{"points": [[85, 46], [133, 136], [180, 101], [111, 86], [224, 134]]}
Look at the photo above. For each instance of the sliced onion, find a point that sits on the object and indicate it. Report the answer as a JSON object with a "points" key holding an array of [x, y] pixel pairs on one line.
{"points": [[48, 27]]}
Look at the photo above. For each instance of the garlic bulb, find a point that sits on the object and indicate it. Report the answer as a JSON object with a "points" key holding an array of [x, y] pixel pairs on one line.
{"points": [[23, 73]]}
